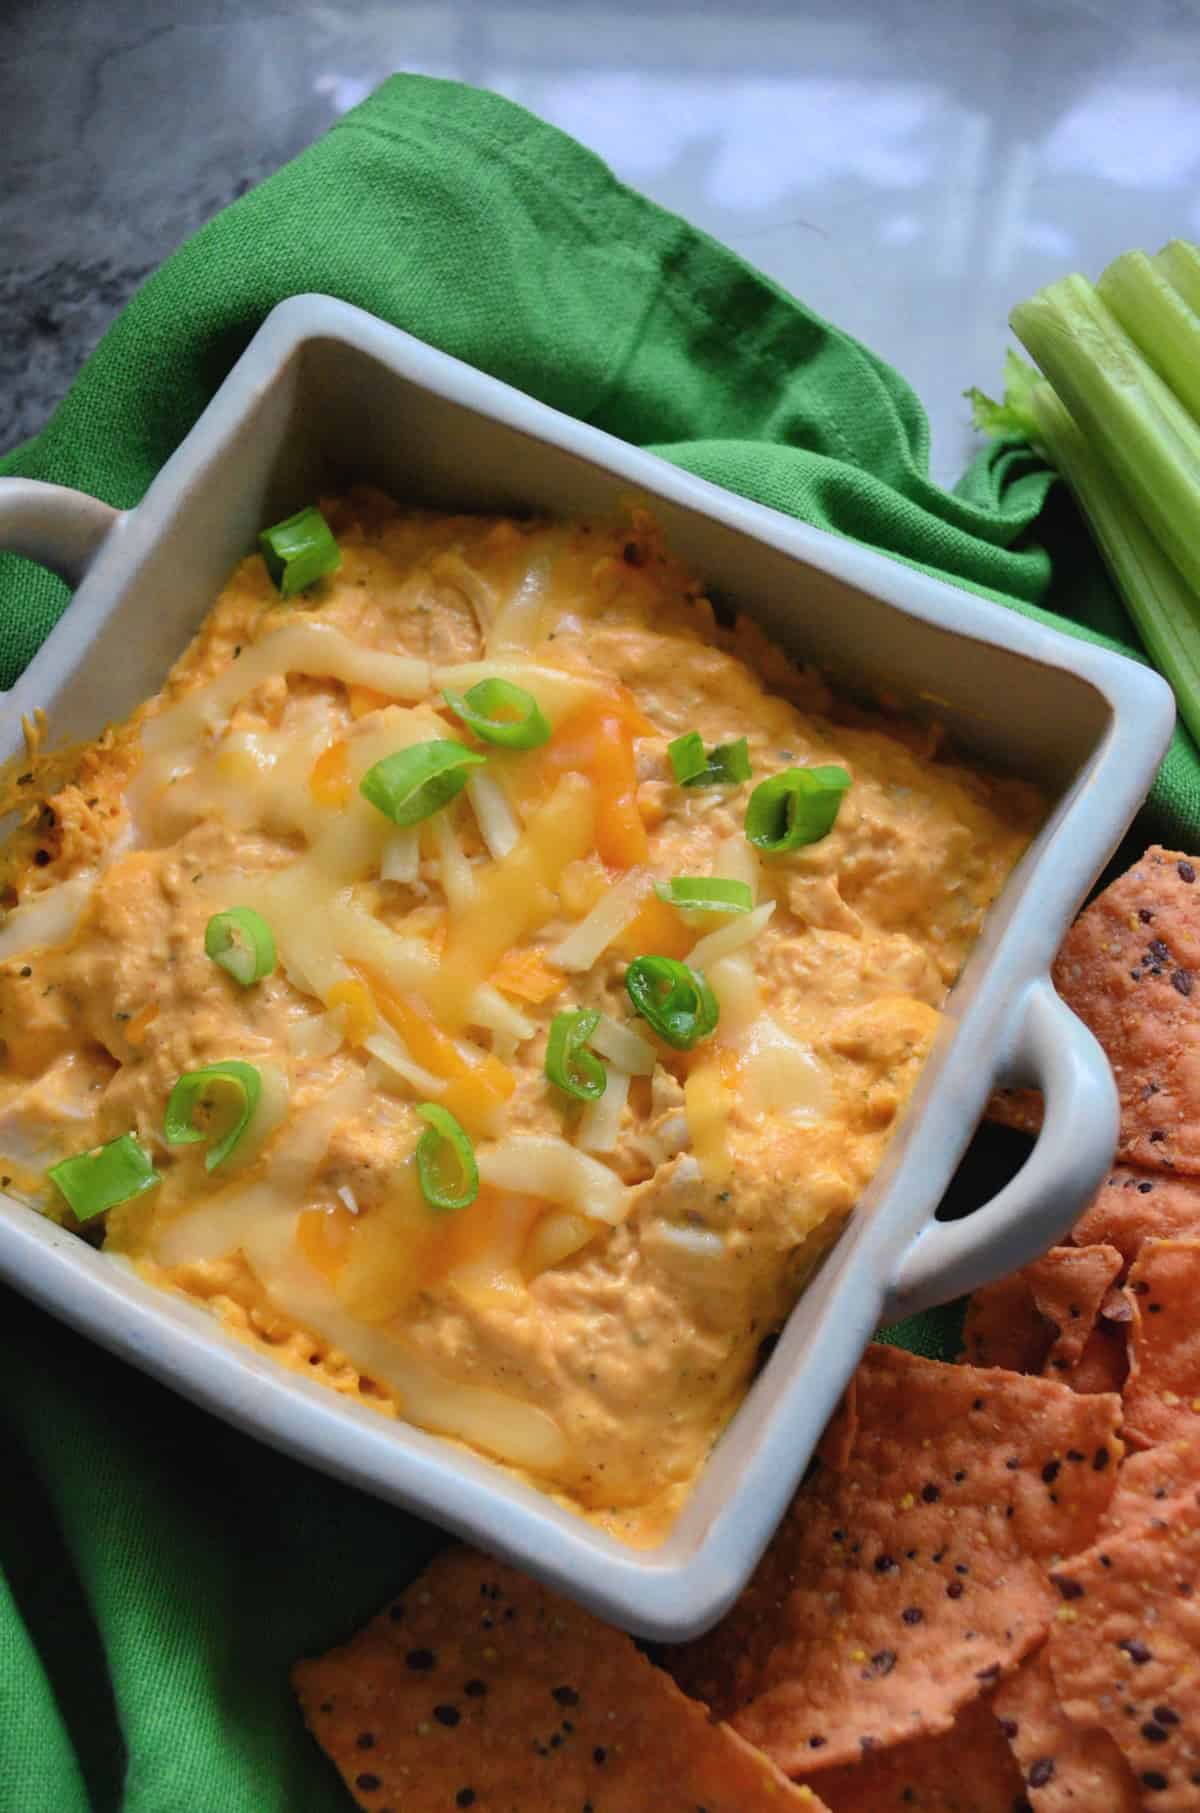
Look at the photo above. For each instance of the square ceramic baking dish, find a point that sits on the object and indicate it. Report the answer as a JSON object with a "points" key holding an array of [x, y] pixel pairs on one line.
{"points": [[326, 395]]}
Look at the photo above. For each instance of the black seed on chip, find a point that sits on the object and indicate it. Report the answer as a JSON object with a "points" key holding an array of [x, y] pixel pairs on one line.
{"points": [[1136, 1650], [465, 1797], [1154, 1734], [365, 1740], [1185, 871], [1041, 1772], [599, 1754], [447, 1715], [1051, 1471], [1166, 1715], [1181, 980], [1009, 1728], [1153, 1778], [421, 1659], [1101, 1459], [368, 1783], [930, 1494], [1069, 1589], [954, 1590], [475, 1690], [566, 1696], [884, 1564], [912, 1614]]}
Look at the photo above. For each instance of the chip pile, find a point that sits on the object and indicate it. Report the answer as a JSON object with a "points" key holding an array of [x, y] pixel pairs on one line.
{"points": [[986, 1596]]}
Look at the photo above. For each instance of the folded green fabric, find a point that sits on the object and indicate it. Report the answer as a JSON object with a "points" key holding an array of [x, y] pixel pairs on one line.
{"points": [[160, 1572]]}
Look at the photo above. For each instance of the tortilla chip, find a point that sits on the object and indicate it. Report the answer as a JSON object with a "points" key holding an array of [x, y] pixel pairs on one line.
{"points": [[1162, 1393], [1104, 1363], [1125, 1649], [837, 1444], [1145, 1481], [968, 1770], [1130, 968], [902, 1588], [1003, 1326], [479, 1688], [1071, 1768], [1039, 1319], [1134, 1204]]}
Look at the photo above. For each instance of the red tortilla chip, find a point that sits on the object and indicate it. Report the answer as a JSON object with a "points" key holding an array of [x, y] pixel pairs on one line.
{"points": [[899, 1590], [1134, 1204], [1130, 968], [1003, 1326], [837, 1444], [1104, 1364], [480, 1688], [967, 1770], [1039, 1319], [1125, 1649], [1146, 1481], [1162, 1393], [1066, 1768]]}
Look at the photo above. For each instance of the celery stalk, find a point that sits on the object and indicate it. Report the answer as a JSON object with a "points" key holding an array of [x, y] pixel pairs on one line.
{"points": [[1134, 424], [1156, 317], [1179, 262], [1157, 597]]}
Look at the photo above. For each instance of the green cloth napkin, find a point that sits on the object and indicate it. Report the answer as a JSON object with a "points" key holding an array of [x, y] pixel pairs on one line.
{"points": [[159, 1571]]}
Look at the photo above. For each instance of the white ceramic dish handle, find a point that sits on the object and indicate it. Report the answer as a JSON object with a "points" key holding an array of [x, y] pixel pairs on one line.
{"points": [[1057, 1053], [59, 528]]}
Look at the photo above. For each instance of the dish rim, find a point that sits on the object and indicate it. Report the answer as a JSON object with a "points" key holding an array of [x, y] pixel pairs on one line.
{"points": [[676, 1589]]}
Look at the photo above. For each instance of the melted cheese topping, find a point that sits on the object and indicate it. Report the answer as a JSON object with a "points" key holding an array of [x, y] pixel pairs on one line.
{"points": [[593, 1317]]}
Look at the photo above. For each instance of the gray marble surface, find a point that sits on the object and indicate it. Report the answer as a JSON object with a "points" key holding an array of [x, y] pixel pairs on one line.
{"points": [[910, 169]]}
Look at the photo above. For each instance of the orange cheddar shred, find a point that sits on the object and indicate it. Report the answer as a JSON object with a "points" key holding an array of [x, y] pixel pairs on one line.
{"points": [[330, 783], [527, 975]]}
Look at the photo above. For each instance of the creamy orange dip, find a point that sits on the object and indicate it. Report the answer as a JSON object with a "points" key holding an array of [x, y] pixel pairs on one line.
{"points": [[593, 1318]]}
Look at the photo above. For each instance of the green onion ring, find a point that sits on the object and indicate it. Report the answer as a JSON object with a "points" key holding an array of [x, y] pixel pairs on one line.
{"points": [[239, 1082], [705, 894], [299, 551], [570, 1066], [416, 782], [673, 998], [444, 1134], [241, 942], [499, 712], [798, 806], [94, 1182]]}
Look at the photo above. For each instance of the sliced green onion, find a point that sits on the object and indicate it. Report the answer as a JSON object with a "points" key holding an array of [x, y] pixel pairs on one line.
{"points": [[569, 1063], [418, 781], [705, 894], [727, 765], [687, 756], [241, 942], [299, 550], [96, 1181], [796, 807], [724, 766], [499, 712], [442, 1148], [675, 999], [232, 1084]]}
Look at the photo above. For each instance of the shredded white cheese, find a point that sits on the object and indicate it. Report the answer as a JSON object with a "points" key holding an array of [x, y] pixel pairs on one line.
{"points": [[607, 920], [600, 1122], [544, 1165]]}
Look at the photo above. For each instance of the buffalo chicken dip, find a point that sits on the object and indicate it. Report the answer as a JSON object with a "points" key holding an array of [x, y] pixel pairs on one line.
{"points": [[486, 981]]}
